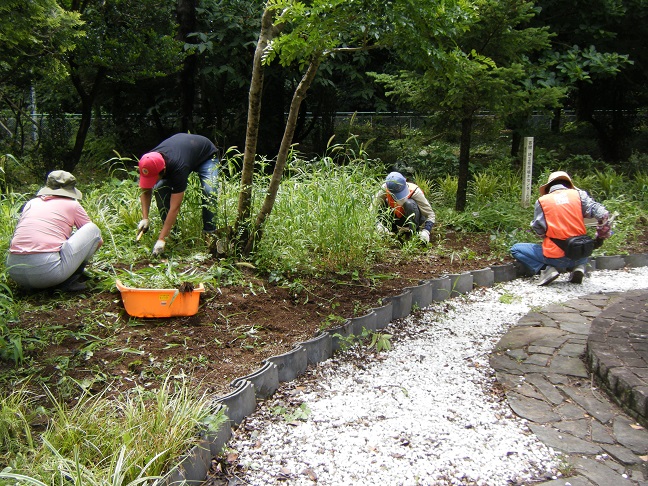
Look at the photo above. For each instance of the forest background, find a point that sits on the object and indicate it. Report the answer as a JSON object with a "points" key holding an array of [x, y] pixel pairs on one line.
{"points": [[312, 104]]}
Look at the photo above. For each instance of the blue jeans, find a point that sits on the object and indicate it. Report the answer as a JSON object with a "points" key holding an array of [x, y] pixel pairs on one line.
{"points": [[530, 254], [208, 175]]}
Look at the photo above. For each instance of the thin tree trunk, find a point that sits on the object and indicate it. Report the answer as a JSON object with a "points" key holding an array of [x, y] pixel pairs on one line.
{"points": [[252, 132], [282, 157], [464, 162], [87, 101], [186, 13], [556, 120]]}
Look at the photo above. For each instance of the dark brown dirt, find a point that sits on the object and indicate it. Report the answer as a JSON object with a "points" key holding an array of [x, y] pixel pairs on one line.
{"points": [[95, 344]]}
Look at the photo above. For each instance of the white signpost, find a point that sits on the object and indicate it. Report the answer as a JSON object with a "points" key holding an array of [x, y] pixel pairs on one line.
{"points": [[527, 170]]}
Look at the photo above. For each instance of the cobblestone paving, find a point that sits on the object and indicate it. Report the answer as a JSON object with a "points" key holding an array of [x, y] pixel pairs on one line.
{"points": [[540, 363]]}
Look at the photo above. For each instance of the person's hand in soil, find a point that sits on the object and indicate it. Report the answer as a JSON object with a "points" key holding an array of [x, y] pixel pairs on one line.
{"points": [[158, 249]]}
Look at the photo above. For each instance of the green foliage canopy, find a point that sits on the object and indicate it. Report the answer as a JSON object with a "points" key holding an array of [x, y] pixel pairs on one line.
{"points": [[34, 36]]}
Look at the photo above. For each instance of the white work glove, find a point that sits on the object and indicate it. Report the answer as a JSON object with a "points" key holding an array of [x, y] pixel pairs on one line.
{"points": [[159, 247], [425, 236], [143, 226], [382, 229]]}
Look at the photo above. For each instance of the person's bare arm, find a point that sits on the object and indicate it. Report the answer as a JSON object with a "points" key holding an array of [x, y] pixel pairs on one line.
{"points": [[145, 201]]}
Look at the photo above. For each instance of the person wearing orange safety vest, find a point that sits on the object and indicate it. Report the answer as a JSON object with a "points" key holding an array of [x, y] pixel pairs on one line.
{"points": [[409, 210], [558, 215]]}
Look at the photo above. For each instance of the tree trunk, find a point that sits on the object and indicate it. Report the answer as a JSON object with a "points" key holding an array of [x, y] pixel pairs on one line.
{"points": [[252, 132], [291, 123], [186, 14], [516, 142], [556, 120], [464, 161], [87, 101]]}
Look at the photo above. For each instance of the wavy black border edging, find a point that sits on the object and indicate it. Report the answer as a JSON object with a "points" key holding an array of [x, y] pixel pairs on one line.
{"points": [[194, 466], [265, 380], [368, 322], [441, 288]]}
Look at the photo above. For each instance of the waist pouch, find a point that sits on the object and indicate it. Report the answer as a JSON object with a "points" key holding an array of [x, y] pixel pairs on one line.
{"points": [[576, 247]]}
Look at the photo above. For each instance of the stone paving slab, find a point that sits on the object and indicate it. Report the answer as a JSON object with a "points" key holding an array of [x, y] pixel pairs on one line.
{"points": [[617, 352], [557, 367]]}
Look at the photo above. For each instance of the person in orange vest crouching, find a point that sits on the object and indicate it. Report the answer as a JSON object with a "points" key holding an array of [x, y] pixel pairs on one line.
{"points": [[559, 219], [403, 209]]}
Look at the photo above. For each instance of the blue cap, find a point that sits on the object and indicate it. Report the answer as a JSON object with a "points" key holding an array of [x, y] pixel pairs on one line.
{"points": [[396, 185]]}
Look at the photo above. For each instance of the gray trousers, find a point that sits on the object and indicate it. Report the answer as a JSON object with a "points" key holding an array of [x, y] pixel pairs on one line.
{"points": [[44, 270]]}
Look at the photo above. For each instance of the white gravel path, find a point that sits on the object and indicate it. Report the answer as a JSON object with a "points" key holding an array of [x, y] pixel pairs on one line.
{"points": [[423, 413]]}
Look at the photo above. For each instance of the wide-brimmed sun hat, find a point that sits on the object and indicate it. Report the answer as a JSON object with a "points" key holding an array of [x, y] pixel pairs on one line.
{"points": [[397, 185], [553, 177], [60, 183], [150, 166]]}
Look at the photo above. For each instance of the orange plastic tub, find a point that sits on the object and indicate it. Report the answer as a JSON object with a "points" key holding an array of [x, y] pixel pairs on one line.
{"points": [[159, 302]]}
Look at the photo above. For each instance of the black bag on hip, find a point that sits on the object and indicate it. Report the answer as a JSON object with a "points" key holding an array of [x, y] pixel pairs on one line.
{"points": [[576, 247]]}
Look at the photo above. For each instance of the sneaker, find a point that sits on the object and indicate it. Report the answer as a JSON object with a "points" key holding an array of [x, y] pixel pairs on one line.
{"points": [[72, 284], [75, 287], [577, 275], [548, 275]]}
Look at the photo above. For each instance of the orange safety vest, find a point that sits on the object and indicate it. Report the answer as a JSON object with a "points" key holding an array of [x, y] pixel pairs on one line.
{"points": [[563, 213], [399, 212]]}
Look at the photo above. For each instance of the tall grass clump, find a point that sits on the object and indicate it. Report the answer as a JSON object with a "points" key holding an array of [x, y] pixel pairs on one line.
{"points": [[444, 191], [639, 187], [16, 415], [604, 184], [321, 220], [119, 440]]}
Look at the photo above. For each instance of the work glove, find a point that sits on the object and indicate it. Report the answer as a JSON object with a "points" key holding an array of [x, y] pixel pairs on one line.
{"points": [[143, 226], [159, 247], [382, 229], [603, 232], [603, 228], [425, 236]]}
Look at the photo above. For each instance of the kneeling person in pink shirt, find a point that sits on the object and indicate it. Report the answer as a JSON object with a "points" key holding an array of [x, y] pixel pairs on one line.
{"points": [[45, 252]]}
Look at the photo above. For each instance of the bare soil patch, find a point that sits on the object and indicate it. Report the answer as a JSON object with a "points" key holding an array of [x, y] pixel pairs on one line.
{"points": [[235, 329]]}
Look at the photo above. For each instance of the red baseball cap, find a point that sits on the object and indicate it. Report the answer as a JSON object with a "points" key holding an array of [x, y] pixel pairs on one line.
{"points": [[150, 166]]}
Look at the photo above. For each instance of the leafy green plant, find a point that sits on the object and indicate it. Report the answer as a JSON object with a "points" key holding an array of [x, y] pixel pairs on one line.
{"points": [[299, 413], [640, 186], [509, 298], [445, 191], [381, 341], [10, 345], [603, 184], [73, 472], [345, 342], [332, 320], [484, 187], [372, 339]]}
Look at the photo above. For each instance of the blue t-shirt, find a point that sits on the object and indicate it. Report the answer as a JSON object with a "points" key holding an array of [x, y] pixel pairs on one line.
{"points": [[184, 153]]}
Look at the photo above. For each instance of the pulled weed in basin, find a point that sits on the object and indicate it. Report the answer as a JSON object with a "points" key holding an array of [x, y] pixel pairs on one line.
{"points": [[171, 274]]}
